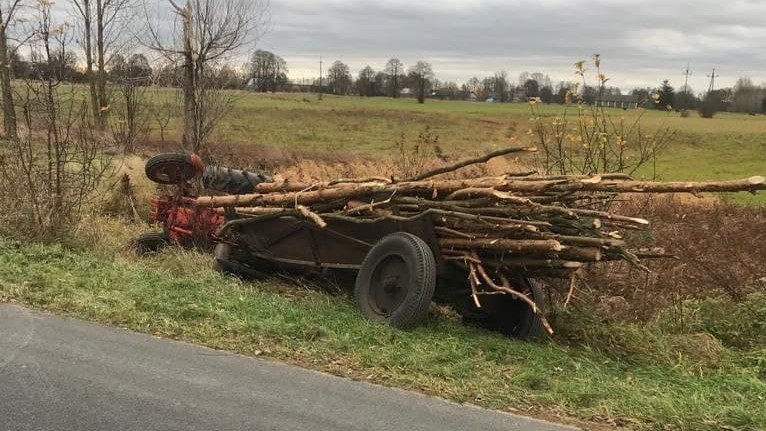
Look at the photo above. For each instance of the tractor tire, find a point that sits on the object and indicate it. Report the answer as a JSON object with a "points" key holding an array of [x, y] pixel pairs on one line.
{"points": [[509, 316], [171, 168], [151, 242], [231, 181], [397, 280]]}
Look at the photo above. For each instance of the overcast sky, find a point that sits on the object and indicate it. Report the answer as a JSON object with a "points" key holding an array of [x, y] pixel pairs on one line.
{"points": [[642, 42]]}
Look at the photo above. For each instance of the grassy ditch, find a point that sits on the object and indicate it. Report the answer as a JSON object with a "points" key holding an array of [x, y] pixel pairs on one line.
{"points": [[651, 377]]}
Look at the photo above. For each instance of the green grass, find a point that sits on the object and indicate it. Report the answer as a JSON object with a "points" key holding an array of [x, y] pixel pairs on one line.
{"points": [[173, 295]]}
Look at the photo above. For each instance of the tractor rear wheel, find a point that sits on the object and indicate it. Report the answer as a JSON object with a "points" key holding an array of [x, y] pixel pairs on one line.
{"points": [[173, 168], [396, 282]]}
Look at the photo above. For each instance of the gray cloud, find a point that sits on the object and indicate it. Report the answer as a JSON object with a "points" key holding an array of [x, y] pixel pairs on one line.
{"points": [[642, 41]]}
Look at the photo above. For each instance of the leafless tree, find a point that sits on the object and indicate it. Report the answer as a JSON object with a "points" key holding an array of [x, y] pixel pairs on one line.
{"points": [[51, 171], [104, 26], [211, 31], [394, 70], [422, 73], [8, 15], [267, 71], [339, 78]]}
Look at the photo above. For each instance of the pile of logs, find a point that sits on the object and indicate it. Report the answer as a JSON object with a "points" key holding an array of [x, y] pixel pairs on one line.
{"points": [[545, 226]]}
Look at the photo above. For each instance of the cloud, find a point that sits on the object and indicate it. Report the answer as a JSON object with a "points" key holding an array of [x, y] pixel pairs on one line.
{"points": [[642, 41]]}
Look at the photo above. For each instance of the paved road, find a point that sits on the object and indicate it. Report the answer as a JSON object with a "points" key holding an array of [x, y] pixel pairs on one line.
{"points": [[65, 374]]}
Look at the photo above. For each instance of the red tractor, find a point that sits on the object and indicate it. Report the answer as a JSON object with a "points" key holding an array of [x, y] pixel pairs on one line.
{"points": [[183, 223]]}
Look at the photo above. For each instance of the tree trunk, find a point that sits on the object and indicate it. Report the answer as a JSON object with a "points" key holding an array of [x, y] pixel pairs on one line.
{"points": [[9, 109], [103, 99], [190, 137], [94, 102]]}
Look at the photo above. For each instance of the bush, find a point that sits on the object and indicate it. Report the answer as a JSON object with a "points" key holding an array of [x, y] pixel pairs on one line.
{"points": [[711, 104]]}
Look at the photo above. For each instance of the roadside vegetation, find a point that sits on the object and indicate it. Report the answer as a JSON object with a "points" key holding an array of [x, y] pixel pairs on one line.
{"points": [[653, 375]]}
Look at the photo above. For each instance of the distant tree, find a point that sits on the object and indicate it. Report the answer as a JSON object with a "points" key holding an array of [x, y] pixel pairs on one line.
{"points": [[394, 71], [546, 94], [138, 68], [686, 99], [763, 105], [643, 95], [422, 74], [365, 83], [531, 88], [117, 67], [666, 96], [473, 85], [747, 96], [339, 78], [267, 71], [712, 103], [501, 86]]}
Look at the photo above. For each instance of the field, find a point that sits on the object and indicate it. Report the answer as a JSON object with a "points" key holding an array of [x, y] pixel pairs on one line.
{"points": [[728, 146], [696, 362]]}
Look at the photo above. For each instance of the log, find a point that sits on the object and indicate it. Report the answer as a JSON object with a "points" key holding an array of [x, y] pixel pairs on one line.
{"points": [[531, 246], [507, 184]]}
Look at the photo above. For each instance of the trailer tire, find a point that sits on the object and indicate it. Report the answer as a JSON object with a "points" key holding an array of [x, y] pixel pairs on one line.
{"points": [[151, 242], [504, 314], [172, 168], [396, 281]]}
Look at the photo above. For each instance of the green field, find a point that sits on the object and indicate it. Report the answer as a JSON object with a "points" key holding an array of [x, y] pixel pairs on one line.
{"points": [[727, 146]]}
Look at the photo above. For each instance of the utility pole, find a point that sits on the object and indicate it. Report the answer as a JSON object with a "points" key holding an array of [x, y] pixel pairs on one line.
{"points": [[712, 77], [321, 87], [686, 87]]}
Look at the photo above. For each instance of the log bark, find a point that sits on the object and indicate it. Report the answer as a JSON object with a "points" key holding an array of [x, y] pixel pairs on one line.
{"points": [[511, 245]]}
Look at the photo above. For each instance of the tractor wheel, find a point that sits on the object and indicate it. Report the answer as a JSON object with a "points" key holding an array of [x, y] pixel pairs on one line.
{"points": [[173, 168], [232, 181], [151, 242], [503, 313], [396, 282]]}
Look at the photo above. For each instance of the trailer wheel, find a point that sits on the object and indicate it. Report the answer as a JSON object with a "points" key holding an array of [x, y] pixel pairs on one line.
{"points": [[510, 316], [173, 168], [225, 262], [396, 282], [151, 242]]}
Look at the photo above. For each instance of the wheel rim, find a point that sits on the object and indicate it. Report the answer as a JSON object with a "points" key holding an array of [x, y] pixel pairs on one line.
{"points": [[172, 172], [389, 285]]}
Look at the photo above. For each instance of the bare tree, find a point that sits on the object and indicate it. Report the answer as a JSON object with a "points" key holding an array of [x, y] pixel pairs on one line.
{"points": [[394, 71], [422, 73], [267, 71], [339, 78], [8, 11], [54, 168], [210, 32], [104, 25]]}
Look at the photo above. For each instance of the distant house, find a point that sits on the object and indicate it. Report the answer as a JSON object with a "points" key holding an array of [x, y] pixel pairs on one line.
{"points": [[623, 101]]}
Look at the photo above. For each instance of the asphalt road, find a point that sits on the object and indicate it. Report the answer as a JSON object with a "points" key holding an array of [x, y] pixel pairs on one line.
{"points": [[65, 374]]}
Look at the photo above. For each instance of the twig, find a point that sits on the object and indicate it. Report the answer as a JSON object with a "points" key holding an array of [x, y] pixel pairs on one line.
{"points": [[464, 163]]}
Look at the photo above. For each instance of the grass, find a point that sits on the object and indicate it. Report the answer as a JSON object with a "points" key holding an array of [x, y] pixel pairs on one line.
{"points": [[174, 295]]}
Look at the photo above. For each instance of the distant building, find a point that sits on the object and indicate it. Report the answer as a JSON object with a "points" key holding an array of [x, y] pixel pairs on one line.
{"points": [[613, 101]]}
